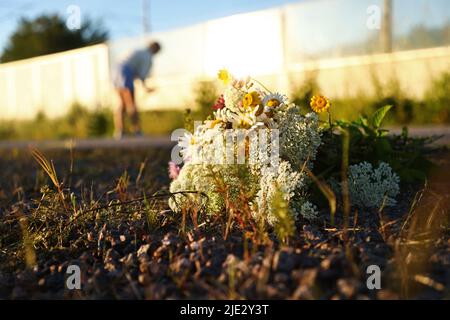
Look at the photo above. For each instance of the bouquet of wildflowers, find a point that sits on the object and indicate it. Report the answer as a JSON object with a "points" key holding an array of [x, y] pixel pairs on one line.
{"points": [[254, 152]]}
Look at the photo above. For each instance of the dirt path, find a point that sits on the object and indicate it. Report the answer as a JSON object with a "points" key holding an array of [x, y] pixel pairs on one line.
{"points": [[94, 143], [443, 131], [164, 141]]}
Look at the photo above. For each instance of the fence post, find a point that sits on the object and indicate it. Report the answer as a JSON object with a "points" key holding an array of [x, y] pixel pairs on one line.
{"points": [[386, 27]]}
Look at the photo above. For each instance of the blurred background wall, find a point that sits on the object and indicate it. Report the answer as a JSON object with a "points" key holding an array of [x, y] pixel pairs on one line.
{"points": [[328, 39], [51, 84]]}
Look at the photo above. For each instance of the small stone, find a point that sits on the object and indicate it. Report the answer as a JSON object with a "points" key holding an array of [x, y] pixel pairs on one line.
{"points": [[385, 294], [181, 265], [308, 277], [41, 282], [284, 261], [281, 278], [347, 287], [194, 246], [311, 233], [129, 260], [143, 250], [144, 279], [111, 255], [18, 293], [326, 263]]}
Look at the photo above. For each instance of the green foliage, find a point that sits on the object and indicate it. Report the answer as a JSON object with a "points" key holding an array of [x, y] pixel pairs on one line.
{"points": [[161, 122], [421, 36], [437, 107], [99, 124], [7, 131], [188, 121], [369, 142], [82, 123], [285, 222], [206, 95], [378, 116], [151, 214], [392, 94], [303, 92], [434, 108], [404, 108], [47, 34]]}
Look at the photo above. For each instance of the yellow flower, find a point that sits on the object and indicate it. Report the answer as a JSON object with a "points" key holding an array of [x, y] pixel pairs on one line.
{"points": [[273, 103], [213, 123], [251, 99], [320, 104], [224, 75]]}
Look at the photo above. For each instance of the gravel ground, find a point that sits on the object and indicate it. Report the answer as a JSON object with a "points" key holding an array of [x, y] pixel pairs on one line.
{"points": [[124, 256]]}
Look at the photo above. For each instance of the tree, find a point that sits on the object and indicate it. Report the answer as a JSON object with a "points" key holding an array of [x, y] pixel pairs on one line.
{"points": [[47, 34]]}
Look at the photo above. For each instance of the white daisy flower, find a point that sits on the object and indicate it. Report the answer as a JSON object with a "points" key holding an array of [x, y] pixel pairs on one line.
{"points": [[189, 146], [225, 115], [244, 120], [273, 100], [210, 134], [257, 126], [268, 121]]}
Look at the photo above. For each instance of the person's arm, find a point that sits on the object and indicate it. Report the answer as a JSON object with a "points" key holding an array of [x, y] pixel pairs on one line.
{"points": [[145, 63], [145, 67]]}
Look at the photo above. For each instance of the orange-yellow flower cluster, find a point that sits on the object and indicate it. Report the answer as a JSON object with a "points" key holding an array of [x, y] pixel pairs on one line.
{"points": [[251, 99], [320, 104], [225, 76]]}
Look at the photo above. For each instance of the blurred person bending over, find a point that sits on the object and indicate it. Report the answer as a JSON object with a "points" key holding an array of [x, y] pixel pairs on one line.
{"points": [[136, 66]]}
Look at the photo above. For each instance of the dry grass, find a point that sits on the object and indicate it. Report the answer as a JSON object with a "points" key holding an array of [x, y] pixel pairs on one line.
{"points": [[107, 211]]}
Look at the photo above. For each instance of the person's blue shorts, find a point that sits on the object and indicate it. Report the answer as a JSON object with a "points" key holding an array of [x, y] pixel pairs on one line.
{"points": [[125, 78]]}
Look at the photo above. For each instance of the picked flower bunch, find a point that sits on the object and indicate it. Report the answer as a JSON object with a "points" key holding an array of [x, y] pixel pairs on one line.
{"points": [[255, 167], [253, 153]]}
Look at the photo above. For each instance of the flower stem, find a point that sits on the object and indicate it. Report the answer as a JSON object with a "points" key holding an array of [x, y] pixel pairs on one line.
{"points": [[330, 122], [264, 87]]}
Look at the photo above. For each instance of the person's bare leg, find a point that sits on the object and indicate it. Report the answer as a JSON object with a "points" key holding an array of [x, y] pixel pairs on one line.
{"points": [[132, 110], [135, 122], [118, 117]]}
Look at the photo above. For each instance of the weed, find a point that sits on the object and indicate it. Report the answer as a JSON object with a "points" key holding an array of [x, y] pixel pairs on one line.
{"points": [[285, 223]]}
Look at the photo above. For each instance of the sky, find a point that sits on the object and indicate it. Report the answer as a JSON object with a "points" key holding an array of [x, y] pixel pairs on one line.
{"points": [[124, 18]]}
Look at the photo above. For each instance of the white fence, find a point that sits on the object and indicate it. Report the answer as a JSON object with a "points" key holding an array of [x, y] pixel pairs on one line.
{"points": [[278, 46], [51, 84]]}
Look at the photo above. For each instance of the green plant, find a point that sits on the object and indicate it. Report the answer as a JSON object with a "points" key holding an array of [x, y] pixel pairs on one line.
{"points": [[404, 107], [285, 222], [392, 94], [437, 100], [151, 214], [47, 33], [370, 142], [7, 131], [188, 121], [206, 95], [99, 123], [303, 92], [49, 168]]}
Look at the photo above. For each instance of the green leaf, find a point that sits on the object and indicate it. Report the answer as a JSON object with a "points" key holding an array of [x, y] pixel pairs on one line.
{"points": [[364, 122], [383, 147], [378, 116], [411, 175]]}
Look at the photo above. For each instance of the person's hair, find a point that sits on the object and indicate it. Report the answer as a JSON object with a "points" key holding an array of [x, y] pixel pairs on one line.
{"points": [[154, 47]]}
